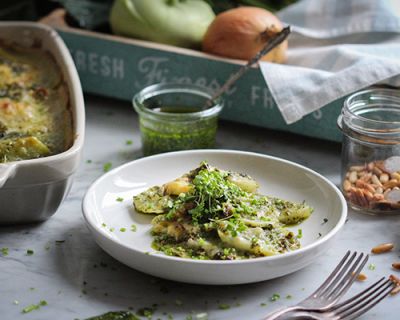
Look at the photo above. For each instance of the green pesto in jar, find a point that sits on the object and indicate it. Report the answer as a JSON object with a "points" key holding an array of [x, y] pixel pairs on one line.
{"points": [[172, 117], [160, 135]]}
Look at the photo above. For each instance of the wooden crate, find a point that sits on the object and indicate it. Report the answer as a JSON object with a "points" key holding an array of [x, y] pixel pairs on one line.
{"points": [[119, 67]]}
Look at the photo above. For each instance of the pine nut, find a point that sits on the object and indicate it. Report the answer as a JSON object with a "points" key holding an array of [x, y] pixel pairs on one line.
{"points": [[361, 277], [370, 166], [375, 180], [377, 171], [395, 175], [353, 197], [395, 279], [346, 185], [361, 198], [378, 197], [357, 168], [363, 185], [384, 177], [368, 195], [366, 177], [361, 174], [391, 184], [382, 248], [353, 176], [396, 265], [379, 190]]}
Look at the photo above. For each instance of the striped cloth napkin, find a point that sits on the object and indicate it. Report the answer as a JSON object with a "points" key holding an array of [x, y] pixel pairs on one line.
{"points": [[336, 48]]}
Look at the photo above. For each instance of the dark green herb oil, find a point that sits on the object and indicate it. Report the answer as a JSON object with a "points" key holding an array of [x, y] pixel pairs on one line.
{"points": [[160, 135]]}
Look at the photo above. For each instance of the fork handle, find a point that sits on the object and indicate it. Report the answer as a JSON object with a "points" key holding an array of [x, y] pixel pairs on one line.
{"points": [[280, 312]]}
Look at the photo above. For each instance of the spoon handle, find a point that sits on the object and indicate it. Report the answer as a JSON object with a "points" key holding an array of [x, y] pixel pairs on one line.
{"points": [[271, 44]]}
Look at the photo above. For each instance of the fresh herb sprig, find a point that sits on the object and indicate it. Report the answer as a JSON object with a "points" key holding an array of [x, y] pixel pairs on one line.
{"points": [[213, 196]]}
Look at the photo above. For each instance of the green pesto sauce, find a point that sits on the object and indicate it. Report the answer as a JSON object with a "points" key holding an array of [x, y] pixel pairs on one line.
{"points": [[162, 136], [221, 217]]}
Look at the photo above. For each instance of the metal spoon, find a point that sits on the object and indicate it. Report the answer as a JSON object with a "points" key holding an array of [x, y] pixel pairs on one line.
{"points": [[271, 44]]}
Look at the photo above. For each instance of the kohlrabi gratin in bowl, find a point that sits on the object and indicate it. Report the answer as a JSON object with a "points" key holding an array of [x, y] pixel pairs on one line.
{"points": [[35, 117], [42, 121], [211, 213]]}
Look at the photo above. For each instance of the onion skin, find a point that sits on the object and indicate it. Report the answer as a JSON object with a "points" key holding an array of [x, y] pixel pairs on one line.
{"points": [[242, 32]]}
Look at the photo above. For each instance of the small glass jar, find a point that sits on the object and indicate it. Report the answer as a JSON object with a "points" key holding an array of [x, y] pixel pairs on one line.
{"points": [[370, 122], [172, 117]]}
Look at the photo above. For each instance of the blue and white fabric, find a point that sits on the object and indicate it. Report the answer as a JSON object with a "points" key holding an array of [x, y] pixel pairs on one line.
{"points": [[337, 47]]}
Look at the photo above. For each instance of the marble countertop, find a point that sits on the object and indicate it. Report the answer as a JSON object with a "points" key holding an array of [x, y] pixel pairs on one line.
{"points": [[79, 280]]}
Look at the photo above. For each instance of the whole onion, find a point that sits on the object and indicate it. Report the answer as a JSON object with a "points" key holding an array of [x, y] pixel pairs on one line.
{"points": [[241, 32]]}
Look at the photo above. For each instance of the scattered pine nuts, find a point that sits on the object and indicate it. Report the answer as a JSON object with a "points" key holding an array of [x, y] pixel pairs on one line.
{"points": [[396, 281], [396, 265], [384, 247]]}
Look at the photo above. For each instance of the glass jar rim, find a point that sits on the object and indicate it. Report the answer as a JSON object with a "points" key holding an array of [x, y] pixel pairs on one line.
{"points": [[356, 122], [165, 88]]}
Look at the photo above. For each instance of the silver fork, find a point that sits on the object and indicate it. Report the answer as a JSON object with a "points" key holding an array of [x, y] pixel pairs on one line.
{"points": [[333, 288], [352, 307]]}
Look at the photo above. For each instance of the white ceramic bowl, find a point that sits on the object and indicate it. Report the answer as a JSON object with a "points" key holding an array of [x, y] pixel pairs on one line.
{"points": [[32, 190], [277, 177]]}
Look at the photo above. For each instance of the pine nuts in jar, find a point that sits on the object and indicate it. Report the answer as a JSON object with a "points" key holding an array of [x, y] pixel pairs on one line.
{"points": [[370, 122]]}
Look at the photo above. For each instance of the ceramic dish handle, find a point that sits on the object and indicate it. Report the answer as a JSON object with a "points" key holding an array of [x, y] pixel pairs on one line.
{"points": [[6, 172]]}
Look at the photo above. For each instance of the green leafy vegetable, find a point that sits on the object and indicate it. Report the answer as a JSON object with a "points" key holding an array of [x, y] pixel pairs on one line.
{"points": [[275, 297], [32, 307], [4, 251], [107, 166], [224, 306], [371, 266]]}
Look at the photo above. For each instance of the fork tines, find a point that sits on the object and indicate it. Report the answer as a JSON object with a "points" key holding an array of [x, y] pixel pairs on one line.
{"points": [[340, 280], [363, 301]]}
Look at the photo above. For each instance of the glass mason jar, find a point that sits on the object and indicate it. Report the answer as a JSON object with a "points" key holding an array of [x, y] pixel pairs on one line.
{"points": [[370, 122], [172, 117]]}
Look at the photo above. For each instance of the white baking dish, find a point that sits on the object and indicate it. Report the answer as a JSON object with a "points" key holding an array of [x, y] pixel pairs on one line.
{"points": [[32, 190]]}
